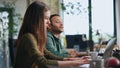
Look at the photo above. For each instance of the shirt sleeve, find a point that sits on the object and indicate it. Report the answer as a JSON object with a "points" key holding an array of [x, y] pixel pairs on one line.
{"points": [[52, 56]]}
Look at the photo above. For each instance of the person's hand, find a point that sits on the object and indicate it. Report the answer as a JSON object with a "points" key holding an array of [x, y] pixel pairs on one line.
{"points": [[72, 59], [78, 58], [74, 62], [85, 57], [81, 62], [73, 53]]}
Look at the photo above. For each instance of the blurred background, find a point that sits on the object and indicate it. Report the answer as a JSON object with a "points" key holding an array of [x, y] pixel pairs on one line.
{"points": [[96, 20]]}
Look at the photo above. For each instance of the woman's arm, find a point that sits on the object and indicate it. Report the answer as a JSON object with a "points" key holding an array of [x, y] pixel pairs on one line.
{"points": [[77, 58], [50, 55], [73, 63]]}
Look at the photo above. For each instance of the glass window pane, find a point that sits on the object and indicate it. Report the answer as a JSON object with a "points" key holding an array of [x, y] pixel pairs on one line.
{"points": [[76, 21], [76, 17], [102, 19]]}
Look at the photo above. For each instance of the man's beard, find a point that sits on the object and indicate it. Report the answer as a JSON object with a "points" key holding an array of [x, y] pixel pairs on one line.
{"points": [[57, 31]]}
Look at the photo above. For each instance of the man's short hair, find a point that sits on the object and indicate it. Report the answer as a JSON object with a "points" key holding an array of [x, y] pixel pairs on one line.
{"points": [[53, 16]]}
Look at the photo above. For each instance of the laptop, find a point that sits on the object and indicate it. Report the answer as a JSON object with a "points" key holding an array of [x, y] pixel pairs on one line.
{"points": [[109, 48]]}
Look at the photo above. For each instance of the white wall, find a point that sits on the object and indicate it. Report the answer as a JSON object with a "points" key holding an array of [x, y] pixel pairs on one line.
{"points": [[118, 21], [21, 5]]}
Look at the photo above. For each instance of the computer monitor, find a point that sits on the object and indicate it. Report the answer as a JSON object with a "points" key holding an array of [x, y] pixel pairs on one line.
{"points": [[73, 40]]}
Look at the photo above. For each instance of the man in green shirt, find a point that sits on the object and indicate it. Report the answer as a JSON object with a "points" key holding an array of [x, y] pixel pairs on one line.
{"points": [[53, 44]]}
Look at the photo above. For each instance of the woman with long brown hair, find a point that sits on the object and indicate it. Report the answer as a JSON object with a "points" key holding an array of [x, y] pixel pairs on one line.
{"points": [[30, 45]]}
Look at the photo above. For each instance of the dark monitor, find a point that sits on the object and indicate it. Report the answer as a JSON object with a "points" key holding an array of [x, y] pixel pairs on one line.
{"points": [[78, 40]]}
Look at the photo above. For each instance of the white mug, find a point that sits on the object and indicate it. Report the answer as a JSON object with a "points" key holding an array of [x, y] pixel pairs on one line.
{"points": [[94, 55]]}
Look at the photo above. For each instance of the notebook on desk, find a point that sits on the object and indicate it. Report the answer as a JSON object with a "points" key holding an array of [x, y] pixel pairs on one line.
{"points": [[109, 48]]}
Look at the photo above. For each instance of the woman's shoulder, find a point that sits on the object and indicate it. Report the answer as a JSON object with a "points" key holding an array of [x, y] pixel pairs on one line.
{"points": [[28, 36]]}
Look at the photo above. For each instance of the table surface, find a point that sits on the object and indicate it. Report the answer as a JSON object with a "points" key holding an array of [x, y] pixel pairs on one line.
{"points": [[81, 66]]}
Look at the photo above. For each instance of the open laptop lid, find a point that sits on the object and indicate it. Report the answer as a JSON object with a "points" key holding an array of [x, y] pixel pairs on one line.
{"points": [[109, 48]]}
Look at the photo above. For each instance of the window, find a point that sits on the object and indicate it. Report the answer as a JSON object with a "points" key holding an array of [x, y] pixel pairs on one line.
{"points": [[102, 19], [76, 18]]}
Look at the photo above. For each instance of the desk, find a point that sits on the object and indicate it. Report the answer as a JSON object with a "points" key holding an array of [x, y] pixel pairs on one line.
{"points": [[81, 66]]}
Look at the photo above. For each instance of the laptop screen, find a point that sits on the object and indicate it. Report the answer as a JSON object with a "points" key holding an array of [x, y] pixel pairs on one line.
{"points": [[109, 48]]}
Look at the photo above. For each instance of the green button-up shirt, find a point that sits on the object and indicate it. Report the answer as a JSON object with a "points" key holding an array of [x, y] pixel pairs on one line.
{"points": [[54, 45]]}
